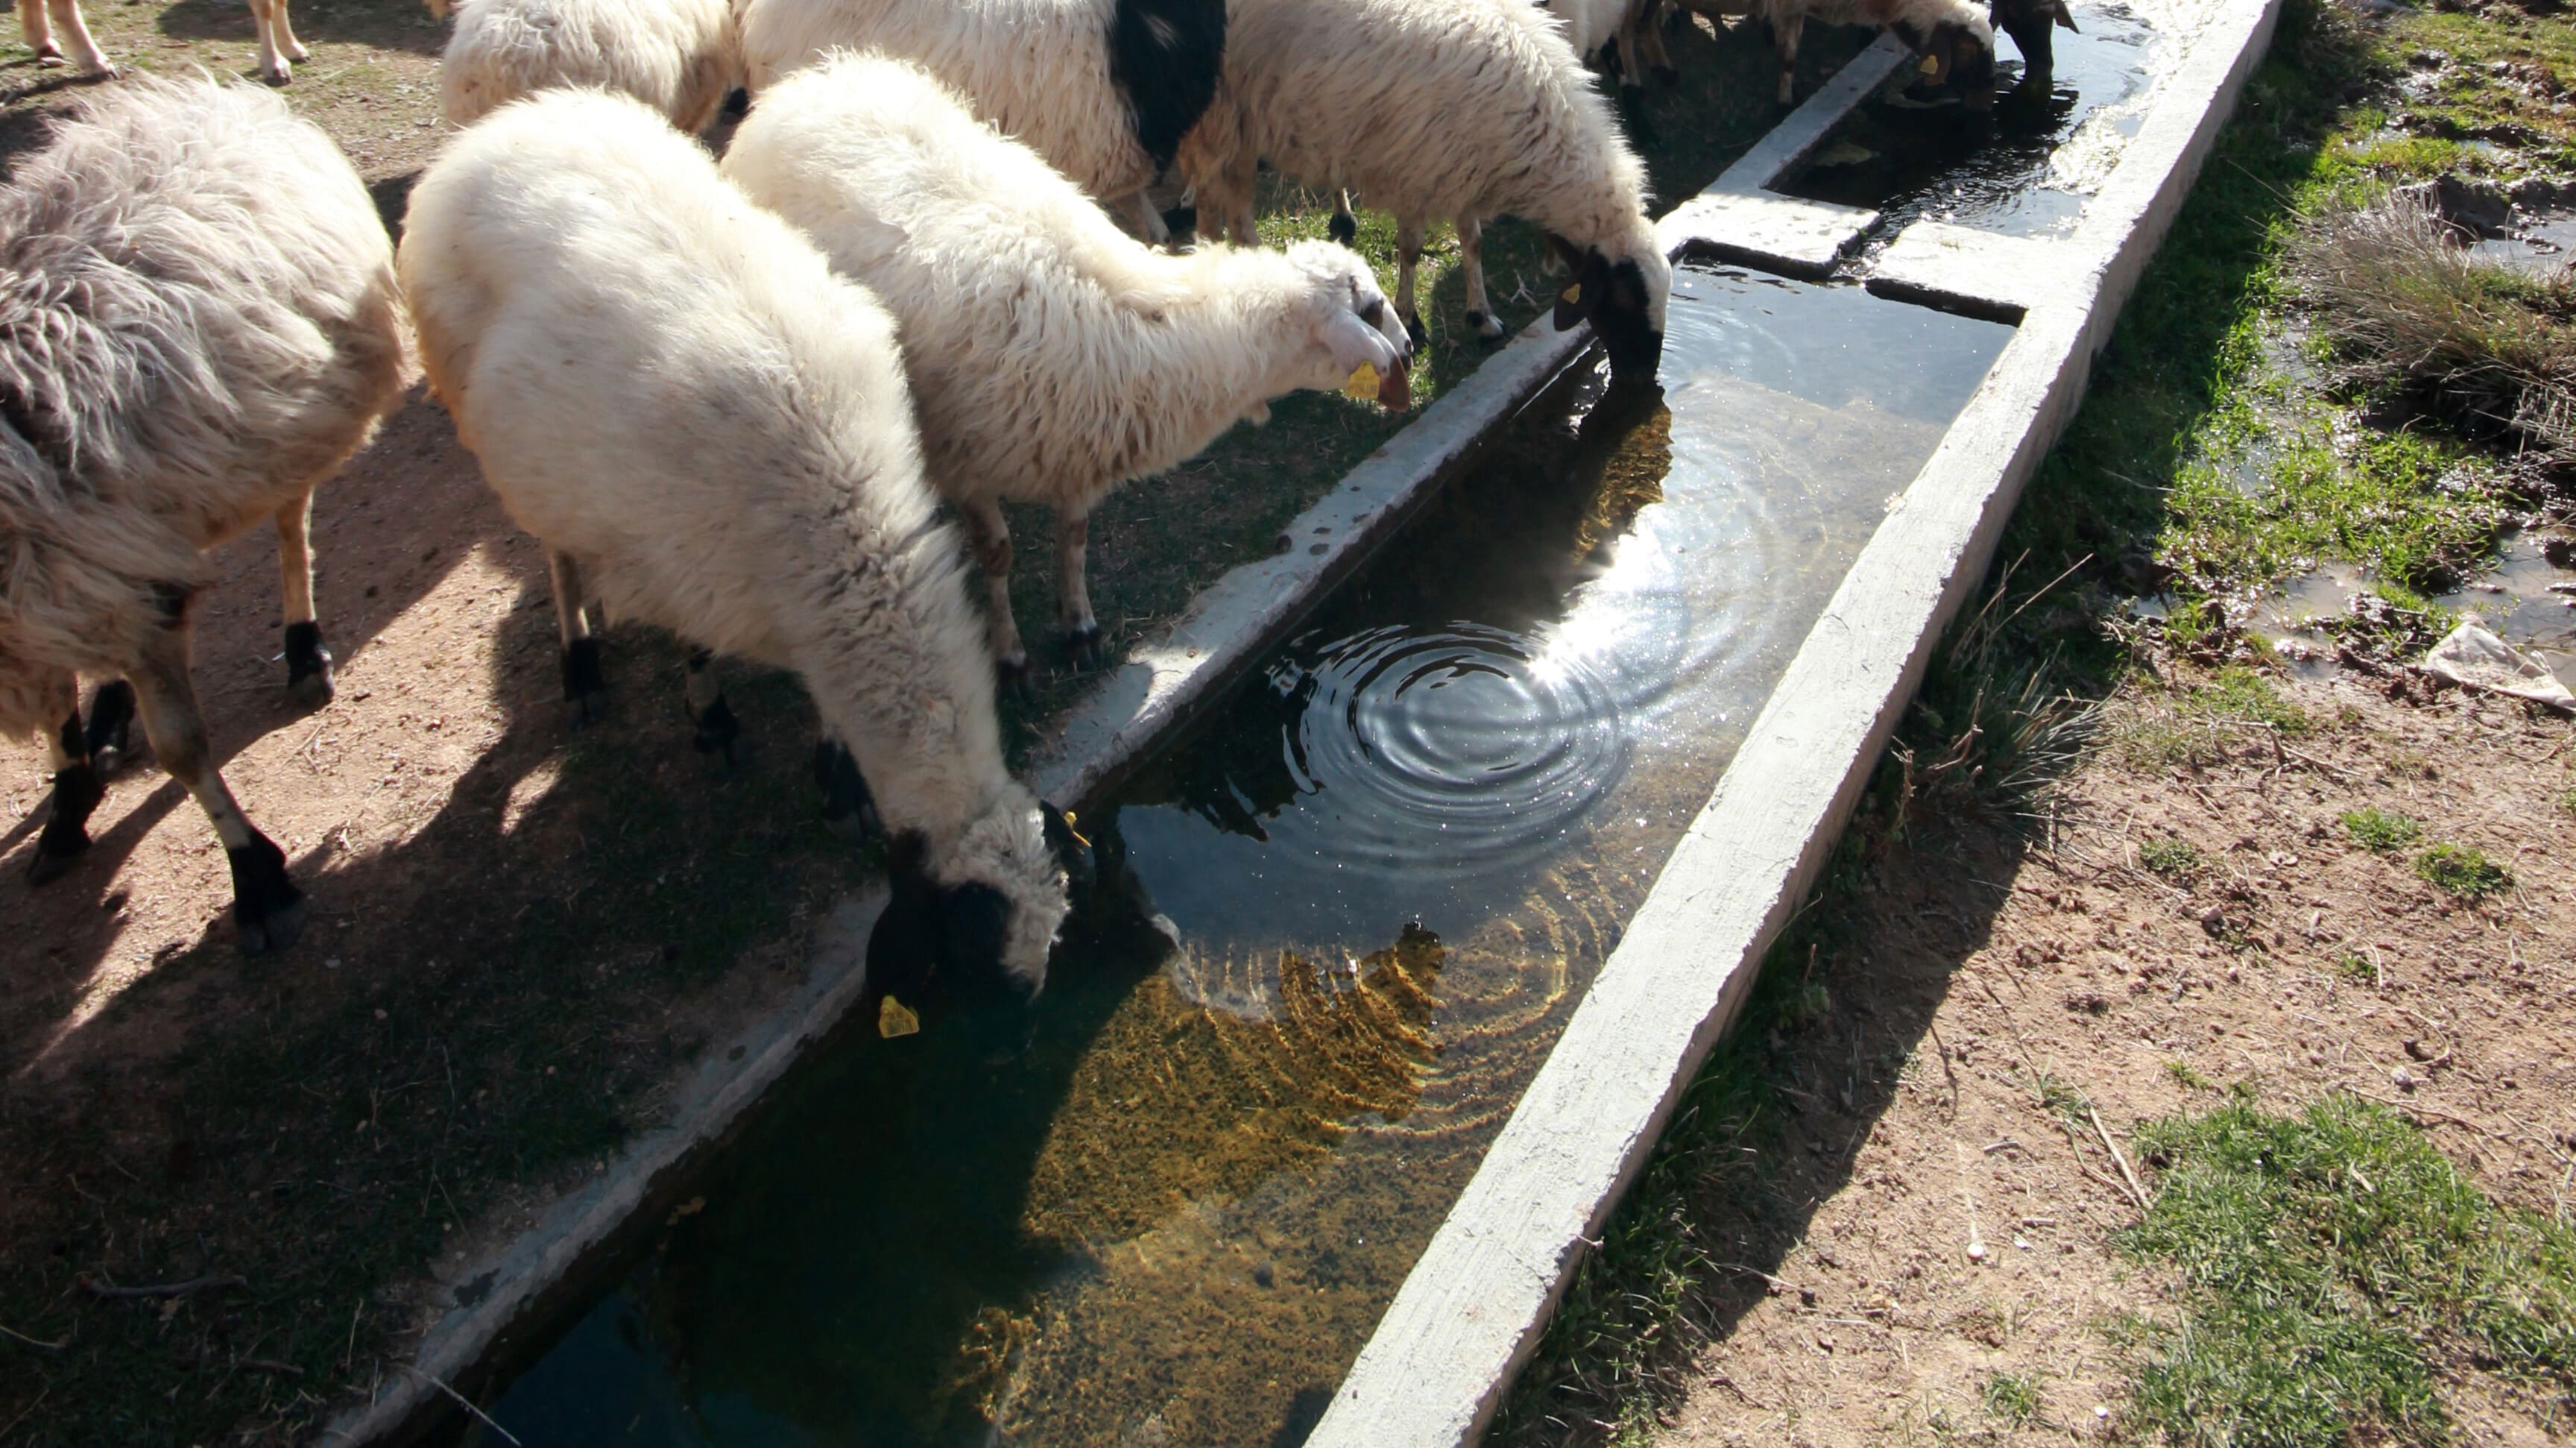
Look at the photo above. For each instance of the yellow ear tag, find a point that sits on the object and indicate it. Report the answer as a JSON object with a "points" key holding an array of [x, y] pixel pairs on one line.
{"points": [[895, 1019], [1929, 66], [1363, 383], [1571, 294], [1071, 827]]}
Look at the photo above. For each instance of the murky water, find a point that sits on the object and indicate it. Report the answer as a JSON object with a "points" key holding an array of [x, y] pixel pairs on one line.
{"points": [[2525, 599], [2028, 170], [1386, 870]]}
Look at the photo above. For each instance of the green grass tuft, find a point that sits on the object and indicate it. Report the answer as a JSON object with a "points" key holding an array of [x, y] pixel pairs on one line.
{"points": [[2380, 832], [2011, 1401], [2463, 871], [2175, 859]]}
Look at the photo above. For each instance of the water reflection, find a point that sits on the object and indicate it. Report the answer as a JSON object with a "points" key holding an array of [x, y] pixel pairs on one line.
{"points": [[1363, 902]]}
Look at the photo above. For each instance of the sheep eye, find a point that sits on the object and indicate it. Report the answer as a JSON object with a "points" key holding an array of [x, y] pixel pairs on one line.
{"points": [[1375, 312]]}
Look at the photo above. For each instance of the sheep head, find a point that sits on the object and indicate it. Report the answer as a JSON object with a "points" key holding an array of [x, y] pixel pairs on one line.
{"points": [[1958, 52], [2029, 23], [974, 928], [1349, 325], [1624, 297]]}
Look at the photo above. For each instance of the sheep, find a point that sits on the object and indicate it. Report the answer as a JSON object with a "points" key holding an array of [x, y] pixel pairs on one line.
{"points": [[37, 20], [197, 327], [1596, 27], [678, 56], [1430, 108], [1104, 89], [709, 431], [2028, 22], [1051, 356], [1955, 39]]}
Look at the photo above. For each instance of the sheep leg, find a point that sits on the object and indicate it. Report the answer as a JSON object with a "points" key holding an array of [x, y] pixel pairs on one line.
{"points": [[848, 808], [66, 18], [1408, 256], [111, 726], [1344, 227], [308, 663], [77, 790], [585, 691], [1646, 26], [718, 730], [1149, 222], [269, 18], [991, 539], [1471, 260], [1073, 590], [1784, 32], [38, 32], [266, 905]]}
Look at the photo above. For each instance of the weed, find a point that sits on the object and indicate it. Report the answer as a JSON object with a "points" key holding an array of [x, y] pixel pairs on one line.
{"points": [[2380, 832], [2353, 968], [2329, 1263], [2011, 1401], [2567, 801], [2463, 871], [2175, 859], [2192, 726], [2187, 1078]]}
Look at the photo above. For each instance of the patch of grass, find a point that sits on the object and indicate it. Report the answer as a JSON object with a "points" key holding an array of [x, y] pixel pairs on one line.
{"points": [[2352, 967], [2175, 859], [2567, 801], [2331, 1265], [2187, 1078], [2010, 1401], [2463, 871], [2380, 832], [2193, 726]]}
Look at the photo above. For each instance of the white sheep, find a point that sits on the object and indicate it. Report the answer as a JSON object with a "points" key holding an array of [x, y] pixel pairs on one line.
{"points": [[197, 326], [710, 431], [1104, 89], [1593, 27], [37, 20], [1052, 357], [1466, 109], [678, 56], [1955, 38]]}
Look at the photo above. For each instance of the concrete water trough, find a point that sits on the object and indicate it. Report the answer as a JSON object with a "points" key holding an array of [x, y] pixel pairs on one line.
{"points": [[1449, 1231]]}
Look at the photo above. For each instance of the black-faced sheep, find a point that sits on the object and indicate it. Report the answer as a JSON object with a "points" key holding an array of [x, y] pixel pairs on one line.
{"points": [[678, 56], [2030, 23], [1466, 109], [710, 431], [1052, 357], [197, 326], [39, 19], [1104, 89]]}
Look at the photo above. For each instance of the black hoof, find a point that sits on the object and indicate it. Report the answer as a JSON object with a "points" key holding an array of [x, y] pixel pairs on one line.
{"points": [[585, 691], [66, 833], [719, 732], [266, 905], [308, 665], [1011, 679], [848, 809], [1344, 228], [1084, 647], [1420, 334], [111, 724]]}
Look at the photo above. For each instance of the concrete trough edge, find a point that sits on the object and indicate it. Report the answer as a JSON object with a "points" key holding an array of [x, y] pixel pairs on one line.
{"points": [[523, 1288], [1475, 1303]]}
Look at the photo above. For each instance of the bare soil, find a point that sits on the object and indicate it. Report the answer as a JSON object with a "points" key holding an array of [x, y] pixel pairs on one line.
{"points": [[1928, 1223]]}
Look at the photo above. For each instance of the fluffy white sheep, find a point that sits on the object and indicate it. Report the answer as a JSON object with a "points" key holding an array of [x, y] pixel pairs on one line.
{"points": [[1595, 26], [710, 431], [197, 326], [678, 56], [1104, 89], [1955, 38], [1052, 357], [1466, 109], [37, 21]]}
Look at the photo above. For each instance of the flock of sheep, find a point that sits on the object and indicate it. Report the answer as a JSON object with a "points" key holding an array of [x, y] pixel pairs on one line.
{"points": [[730, 396]]}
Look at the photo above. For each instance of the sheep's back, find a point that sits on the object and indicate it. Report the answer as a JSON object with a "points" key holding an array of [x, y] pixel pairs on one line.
{"points": [[678, 56]]}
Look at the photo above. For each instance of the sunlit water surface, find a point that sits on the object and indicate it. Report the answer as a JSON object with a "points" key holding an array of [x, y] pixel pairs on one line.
{"points": [[1391, 864]]}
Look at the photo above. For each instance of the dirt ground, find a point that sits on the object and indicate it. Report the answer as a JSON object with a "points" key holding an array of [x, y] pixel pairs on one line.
{"points": [[1933, 1221]]}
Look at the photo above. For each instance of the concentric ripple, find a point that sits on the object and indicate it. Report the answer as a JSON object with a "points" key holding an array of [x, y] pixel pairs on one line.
{"points": [[1456, 746]]}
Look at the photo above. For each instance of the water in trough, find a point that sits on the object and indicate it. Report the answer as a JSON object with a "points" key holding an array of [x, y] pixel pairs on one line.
{"points": [[1391, 863]]}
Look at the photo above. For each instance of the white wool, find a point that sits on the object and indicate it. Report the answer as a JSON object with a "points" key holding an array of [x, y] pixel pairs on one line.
{"points": [[197, 325], [1429, 109], [678, 56], [1589, 24], [668, 384], [1051, 355], [1037, 69]]}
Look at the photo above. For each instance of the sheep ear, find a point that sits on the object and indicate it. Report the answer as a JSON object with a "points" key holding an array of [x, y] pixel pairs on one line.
{"points": [[2064, 16], [1583, 295], [1356, 344]]}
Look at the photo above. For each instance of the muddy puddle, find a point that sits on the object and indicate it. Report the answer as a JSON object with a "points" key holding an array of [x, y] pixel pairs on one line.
{"points": [[2527, 600], [1366, 895], [2026, 169]]}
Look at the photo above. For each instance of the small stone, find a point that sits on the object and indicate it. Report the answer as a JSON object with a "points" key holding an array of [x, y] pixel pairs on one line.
{"points": [[2405, 1080], [380, 1013], [1976, 1251], [1806, 1297], [332, 964], [1265, 1275]]}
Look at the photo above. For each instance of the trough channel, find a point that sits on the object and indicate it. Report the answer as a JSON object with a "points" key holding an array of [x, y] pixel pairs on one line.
{"points": [[1532, 733]]}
